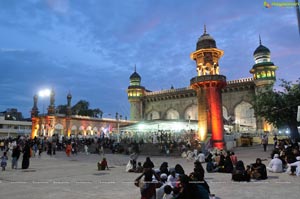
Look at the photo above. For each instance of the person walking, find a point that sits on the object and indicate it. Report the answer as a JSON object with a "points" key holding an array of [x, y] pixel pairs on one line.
{"points": [[26, 156], [264, 142], [4, 159], [15, 157]]}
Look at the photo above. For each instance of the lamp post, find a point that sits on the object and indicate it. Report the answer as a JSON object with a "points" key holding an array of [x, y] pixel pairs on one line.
{"points": [[44, 93]]}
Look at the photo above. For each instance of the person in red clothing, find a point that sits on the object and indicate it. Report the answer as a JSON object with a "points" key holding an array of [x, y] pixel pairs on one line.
{"points": [[103, 165], [68, 149]]}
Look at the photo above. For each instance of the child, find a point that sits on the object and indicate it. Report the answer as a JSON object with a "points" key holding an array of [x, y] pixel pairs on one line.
{"points": [[103, 164], [4, 159]]}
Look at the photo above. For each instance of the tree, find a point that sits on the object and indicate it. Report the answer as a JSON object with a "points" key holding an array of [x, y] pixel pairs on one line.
{"points": [[80, 108], [280, 107], [61, 109]]}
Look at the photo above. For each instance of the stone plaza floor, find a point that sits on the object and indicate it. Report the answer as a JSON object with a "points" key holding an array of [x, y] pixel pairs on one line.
{"points": [[77, 177]]}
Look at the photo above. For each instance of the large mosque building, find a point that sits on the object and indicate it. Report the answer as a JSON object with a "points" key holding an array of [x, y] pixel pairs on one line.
{"points": [[232, 99]]}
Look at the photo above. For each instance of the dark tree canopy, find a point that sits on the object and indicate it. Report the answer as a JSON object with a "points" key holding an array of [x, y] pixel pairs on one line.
{"points": [[280, 107], [81, 108]]}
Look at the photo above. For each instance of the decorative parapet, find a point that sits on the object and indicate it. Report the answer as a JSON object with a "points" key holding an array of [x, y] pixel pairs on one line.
{"points": [[242, 80], [167, 91]]}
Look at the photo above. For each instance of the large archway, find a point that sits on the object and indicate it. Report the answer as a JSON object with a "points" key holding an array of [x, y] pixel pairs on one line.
{"points": [[244, 117], [191, 113], [153, 115], [59, 129], [172, 114]]}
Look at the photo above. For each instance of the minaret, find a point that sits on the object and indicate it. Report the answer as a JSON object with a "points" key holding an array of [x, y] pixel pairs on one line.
{"points": [[208, 84], [135, 94], [68, 115], [34, 117], [69, 108], [51, 108], [264, 77], [263, 70], [34, 110]]}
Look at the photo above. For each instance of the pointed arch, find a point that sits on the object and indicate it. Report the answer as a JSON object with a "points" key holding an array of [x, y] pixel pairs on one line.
{"points": [[191, 112], [244, 116], [172, 114], [153, 115], [225, 113]]}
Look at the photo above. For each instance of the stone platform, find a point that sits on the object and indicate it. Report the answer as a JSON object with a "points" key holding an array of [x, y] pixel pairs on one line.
{"points": [[77, 177]]}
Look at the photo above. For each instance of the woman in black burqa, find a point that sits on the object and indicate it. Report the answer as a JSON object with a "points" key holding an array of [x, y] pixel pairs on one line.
{"points": [[26, 156]]}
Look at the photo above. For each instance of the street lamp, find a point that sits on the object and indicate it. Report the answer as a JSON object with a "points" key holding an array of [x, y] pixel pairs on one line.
{"points": [[44, 93]]}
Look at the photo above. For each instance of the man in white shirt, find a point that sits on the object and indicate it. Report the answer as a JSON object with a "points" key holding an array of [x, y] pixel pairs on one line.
{"points": [[275, 165], [297, 163]]}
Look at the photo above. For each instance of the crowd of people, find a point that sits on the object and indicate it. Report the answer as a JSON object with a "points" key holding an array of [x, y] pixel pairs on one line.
{"points": [[166, 183], [172, 183], [163, 182]]}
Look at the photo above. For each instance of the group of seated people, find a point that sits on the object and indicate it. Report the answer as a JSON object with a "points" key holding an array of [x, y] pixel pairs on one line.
{"points": [[221, 161], [165, 183], [286, 158]]}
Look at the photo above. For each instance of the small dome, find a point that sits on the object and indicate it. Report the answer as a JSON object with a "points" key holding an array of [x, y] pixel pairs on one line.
{"points": [[135, 75], [261, 49], [206, 41]]}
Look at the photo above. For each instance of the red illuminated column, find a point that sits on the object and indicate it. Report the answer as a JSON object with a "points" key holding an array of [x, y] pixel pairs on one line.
{"points": [[215, 102], [202, 114]]}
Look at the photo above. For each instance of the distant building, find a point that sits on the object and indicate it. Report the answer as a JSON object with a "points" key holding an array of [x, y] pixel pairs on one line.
{"points": [[12, 114], [68, 125], [12, 124]]}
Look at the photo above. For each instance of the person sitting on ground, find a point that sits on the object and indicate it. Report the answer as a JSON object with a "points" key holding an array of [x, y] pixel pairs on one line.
{"points": [[258, 170], [168, 192], [198, 176], [210, 168], [133, 158], [148, 164], [190, 190], [164, 168], [233, 158], [297, 164], [200, 157], [239, 173], [139, 168], [148, 186], [172, 178], [275, 164], [228, 166], [179, 169], [103, 165], [160, 191]]}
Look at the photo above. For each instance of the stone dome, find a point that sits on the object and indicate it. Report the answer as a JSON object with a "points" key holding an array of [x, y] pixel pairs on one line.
{"points": [[135, 75], [261, 49], [206, 41]]}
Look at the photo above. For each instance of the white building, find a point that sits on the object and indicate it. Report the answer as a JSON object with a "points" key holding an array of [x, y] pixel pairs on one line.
{"points": [[14, 128]]}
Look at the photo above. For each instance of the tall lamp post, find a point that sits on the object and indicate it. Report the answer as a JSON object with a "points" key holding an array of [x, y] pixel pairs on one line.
{"points": [[43, 94]]}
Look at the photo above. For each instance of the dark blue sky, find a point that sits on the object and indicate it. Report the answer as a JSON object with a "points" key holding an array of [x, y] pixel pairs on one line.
{"points": [[90, 47]]}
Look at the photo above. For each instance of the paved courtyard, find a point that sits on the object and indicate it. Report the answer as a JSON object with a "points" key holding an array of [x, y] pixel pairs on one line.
{"points": [[78, 177]]}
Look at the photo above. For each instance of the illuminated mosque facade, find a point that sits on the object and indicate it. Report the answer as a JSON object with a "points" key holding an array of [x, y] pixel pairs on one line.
{"points": [[216, 104]]}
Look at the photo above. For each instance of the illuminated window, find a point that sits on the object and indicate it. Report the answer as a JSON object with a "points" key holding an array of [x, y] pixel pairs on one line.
{"points": [[269, 74], [273, 74], [258, 75], [263, 74]]}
